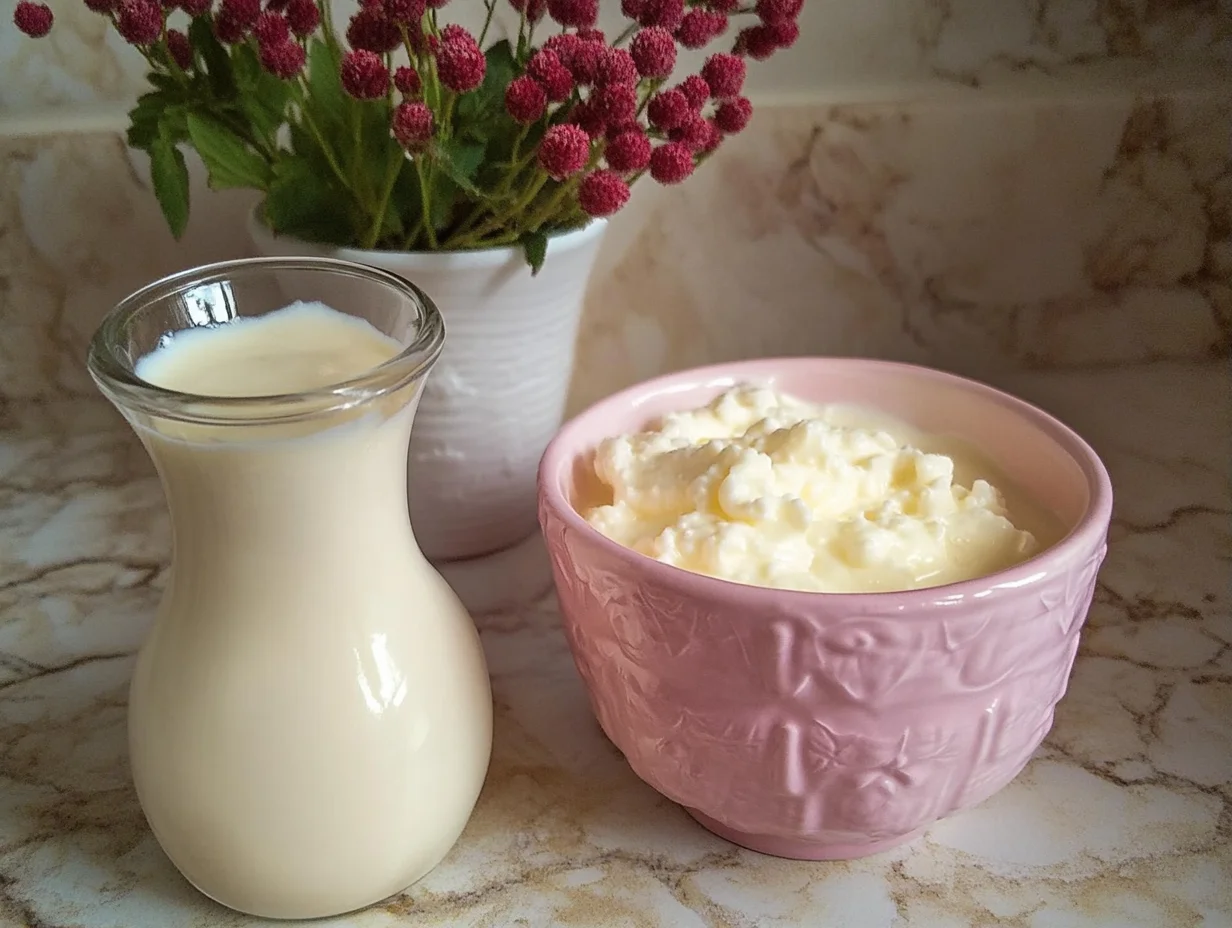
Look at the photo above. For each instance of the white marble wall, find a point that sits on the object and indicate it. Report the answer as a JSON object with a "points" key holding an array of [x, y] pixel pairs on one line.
{"points": [[983, 184]]}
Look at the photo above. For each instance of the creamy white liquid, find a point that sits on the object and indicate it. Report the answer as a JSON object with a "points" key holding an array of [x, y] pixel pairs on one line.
{"points": [[310, 718]]}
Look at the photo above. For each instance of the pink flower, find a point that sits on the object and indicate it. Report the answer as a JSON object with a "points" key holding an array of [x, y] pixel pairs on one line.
{"points": [[699, 27], [628, 152], [695, 88], [525, 99], [724, 75], [664, 13], [757, 42], [460, 64], [615, 66], [34, 19], [180, 49], [228, 30], [458, 33], [412, 125], [140, 22], [284, 60], [576, 13], [243, 12], [107, 6], [585, 117], [777, 11], [613, 103], [404, 12], [591, 34], [406, 81], [546, 68], [733, 115], [694, 132], [303, 17], [784, 34], [654, 52], [364, 75], [370, 30], [602, 193], [271, 28], [671, 163], [564, 151], [723, 6], [669, 109], [632, 8]]}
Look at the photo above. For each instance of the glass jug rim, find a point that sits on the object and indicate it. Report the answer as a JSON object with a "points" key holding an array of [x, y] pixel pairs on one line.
{"points": [[118, 380]]}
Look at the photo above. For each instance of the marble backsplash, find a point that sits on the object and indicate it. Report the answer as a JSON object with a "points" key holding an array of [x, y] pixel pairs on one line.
{"points": [[978, 233], [847, 48]]}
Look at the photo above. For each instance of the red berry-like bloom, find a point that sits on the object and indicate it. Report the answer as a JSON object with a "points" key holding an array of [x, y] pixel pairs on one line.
{"points": [[615, 66], [284, 60], [664, 13], [602, 193], [699, 27], [713, 138], [724, 75], [455, 33], [671, 163], [404, 12], [696, 90], [34, 19], [533, 9], [669, 109], [244, 12], [628, 152], [303, 17], [525, 99], [271, 28], [460, 65], [228, 30], [564, 151], [632, 8], [733, 115], [694, 133], [757, 42], [723, 6], [778, 11], [140, 22], [591, 34], [406, 81], [180, 49], [371, 30], [364, 75], [784, 34], [106, 6], [437, 4], [582, 60], [546, 68], [412, 125], [576, 13], [613, 103], [654, 52], [588, 120]]}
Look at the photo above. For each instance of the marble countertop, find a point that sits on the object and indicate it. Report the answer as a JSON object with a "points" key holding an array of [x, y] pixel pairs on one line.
{"points": [[1124, 817]]}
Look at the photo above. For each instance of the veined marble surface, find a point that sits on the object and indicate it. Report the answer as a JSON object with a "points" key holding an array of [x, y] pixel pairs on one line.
{"points": [[1123, 819]]}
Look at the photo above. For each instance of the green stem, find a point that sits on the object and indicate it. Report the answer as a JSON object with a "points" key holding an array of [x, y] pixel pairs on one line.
{"points": [[426, 203], [387, 188], [498, 220], [325, 149], [629, 30], [483, 33]]}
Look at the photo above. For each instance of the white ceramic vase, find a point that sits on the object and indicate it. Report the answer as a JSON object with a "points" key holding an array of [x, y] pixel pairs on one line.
{"points": [[497, 395]]}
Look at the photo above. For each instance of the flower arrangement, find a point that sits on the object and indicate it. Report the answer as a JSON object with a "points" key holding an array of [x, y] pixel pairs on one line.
{"points": [[404, 134]]}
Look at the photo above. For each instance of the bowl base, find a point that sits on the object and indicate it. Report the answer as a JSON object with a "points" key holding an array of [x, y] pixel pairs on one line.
{"points": [[795, 849]]}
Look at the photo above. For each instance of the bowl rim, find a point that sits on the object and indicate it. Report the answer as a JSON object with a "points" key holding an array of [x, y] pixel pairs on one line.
{"points": [[1087, 532]]}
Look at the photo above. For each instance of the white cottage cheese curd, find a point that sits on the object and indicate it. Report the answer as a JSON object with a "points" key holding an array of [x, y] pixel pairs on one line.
{"points": [[765, 489]]}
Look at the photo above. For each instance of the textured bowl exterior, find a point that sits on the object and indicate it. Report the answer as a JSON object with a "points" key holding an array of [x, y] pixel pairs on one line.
{"points": [[818, 725]]}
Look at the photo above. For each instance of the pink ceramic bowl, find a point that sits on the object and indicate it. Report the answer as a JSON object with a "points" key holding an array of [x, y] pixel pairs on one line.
{"points": [[814, 725]]}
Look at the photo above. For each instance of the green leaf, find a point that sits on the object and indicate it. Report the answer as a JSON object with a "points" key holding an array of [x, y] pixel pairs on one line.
{"points": [[230, 162], [480, 115], [535, 247], [212, 52], [303, 203], [169, 177], [144, 119], [325, 101], [460, 161]]}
